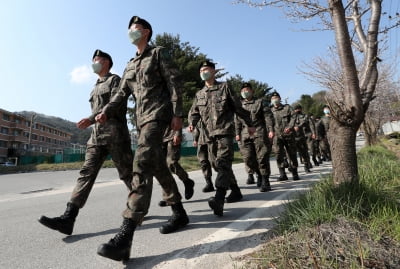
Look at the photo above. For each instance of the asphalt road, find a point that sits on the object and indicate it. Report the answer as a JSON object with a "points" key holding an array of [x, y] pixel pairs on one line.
{"points": [[207, 242]]}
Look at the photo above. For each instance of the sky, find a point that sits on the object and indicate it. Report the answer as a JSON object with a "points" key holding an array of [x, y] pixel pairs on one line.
{"points": [[46, 46]]}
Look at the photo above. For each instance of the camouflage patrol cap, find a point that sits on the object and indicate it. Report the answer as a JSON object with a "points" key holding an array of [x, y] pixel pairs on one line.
{"points": [[104, 55], [275, 94], [246, 85], [142, 22], [207, 63]]}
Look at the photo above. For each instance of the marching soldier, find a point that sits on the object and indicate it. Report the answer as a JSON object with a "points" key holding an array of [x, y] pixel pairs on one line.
{"points": [[284, 140], [111, 138], [215, 105], [256, 146], [301, 123], [156, 88]]}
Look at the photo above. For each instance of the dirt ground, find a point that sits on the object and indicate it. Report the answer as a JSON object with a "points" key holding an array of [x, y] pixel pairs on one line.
{"points": [[340, 244]]}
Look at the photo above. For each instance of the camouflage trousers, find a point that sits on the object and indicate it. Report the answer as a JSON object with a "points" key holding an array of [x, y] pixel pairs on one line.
{"points": [[302, 149], [173, 155], [220, 151], [313, 146], [256, 153], [150, 161], [95, 156], [325, 148], [202, 156], [283, 145]]}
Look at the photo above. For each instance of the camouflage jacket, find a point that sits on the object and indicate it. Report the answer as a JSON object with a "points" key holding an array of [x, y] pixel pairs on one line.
{"points": [[215, 106], [154, 84], [200, 134], [261, 117], [283, 117], [115, 130], [305, 127], [323, 127]]}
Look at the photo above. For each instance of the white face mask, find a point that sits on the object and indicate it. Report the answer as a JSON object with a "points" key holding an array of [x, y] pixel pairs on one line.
{"points": [[206, 75], [246, 95], [275, 101], [97, 66], [326, 111], [134, 36]]}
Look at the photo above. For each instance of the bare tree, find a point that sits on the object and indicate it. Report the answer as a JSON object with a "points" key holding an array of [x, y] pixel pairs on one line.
{"points": [[351, 102], [323, 71]]}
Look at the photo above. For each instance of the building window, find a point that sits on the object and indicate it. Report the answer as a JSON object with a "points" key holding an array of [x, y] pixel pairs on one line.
{"points": [[6, 117], [4, 130], [3, 144]]}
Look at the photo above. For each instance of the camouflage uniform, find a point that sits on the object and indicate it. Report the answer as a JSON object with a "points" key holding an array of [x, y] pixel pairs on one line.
{"points": [[302, 122], [323, 139], [256, 149], [156, 89], [284, 143], [312, 143], [215, 107], [109, 138], [202, 139]]}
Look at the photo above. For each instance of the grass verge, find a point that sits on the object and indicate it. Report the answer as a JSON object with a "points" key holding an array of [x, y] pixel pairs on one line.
{"points": [[348, 226]]}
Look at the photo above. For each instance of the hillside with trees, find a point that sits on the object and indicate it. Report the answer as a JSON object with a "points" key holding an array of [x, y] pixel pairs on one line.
{"points": [[78, 136]]}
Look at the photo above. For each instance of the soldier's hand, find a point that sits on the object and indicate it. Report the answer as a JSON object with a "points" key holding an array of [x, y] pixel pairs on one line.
{"points": [[237, 138], [271, 135], [194, 143], [313, 136], [176, 140], [296, 128], [83, 123], [287, 130], [190, 128], [176, 123], [251, 130], [101, 118]]}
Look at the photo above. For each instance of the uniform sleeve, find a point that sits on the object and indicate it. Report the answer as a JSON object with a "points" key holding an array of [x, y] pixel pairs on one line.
{"points": [[172, 78], [292, 116], [194, 114], [119, 98], [268, 117], [196, 134], [238, 126]]}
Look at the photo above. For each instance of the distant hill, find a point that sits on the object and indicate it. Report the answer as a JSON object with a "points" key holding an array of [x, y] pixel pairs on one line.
{"points": [[78, 135]]}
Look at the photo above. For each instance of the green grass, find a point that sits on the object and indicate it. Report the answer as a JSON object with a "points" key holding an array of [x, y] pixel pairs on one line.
{"points": [[373, 201], [311, 231]]}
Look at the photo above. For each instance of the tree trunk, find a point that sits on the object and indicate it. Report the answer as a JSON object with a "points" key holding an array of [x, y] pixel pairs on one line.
{"points": [[342, 140]]}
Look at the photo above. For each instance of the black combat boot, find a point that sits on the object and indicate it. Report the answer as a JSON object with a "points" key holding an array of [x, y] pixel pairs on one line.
{"points": [[316, 163], [119, 247], [189, 190], [307, 167], [235, 195], [64, 223], [217, 203], [162, 203], [250, 179], [178, 219], [265, 185], [259, 179], [282, 175], [295, 175], [209, 185]]}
